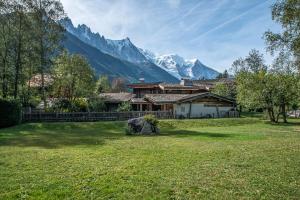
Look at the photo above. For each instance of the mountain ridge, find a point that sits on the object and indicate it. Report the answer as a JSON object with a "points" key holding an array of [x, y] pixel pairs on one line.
{"points": [[113, 67], [124, 49]]}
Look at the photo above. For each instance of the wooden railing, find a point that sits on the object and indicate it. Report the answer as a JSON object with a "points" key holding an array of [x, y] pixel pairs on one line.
{"points": [[91, 116]]}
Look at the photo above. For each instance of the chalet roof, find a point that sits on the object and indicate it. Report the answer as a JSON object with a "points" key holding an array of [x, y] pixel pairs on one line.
{"points": [[159, 98], [116, 97], [168, 86], [164, 98], [192, 97], [144, 85]]}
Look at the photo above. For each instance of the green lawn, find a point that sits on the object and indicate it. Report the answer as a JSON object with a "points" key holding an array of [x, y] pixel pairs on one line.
{"points": [[244, 158]]}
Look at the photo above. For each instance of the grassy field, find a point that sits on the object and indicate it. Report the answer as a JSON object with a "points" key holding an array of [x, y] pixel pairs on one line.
{"points": [[244, 158]]}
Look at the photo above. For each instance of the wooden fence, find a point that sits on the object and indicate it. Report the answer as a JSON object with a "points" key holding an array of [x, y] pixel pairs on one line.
{"points": [[91, 116]]}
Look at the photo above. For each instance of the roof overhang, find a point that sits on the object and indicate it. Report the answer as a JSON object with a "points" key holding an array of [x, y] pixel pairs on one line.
{"points": [[193, 97]]}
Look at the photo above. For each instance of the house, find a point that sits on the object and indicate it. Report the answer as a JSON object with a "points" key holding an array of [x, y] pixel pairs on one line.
{"points": [[186, 86], [204, 105], [186, 99]]}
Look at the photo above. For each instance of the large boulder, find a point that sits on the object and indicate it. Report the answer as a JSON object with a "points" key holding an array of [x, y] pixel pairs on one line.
{"points": [[139, 126]]}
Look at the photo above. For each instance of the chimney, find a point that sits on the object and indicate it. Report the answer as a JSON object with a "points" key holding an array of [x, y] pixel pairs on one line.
{"points": [[186, 82], [142, 80]]}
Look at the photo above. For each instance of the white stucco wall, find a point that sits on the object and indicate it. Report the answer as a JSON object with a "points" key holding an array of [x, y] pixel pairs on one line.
{"points": [[199, 110]]}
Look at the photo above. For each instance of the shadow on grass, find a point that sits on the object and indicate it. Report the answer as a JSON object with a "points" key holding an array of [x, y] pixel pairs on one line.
{"points": [[55, 135], [188, 133], [289, 123]]}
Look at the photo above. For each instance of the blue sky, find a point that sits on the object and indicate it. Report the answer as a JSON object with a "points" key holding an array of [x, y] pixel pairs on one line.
{"points": [[215, 31]]}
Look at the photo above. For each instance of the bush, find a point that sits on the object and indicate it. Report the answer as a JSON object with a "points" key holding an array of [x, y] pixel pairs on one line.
{"points": [[151, 119], [61, 105], [124, 107], [10, 113], [80, 105], [34, 101], [96, 105], [65, 105]]}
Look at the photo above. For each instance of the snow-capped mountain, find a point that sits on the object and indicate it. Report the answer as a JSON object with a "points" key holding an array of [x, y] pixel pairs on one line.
{"points": [[125, 50], [180, 67]]}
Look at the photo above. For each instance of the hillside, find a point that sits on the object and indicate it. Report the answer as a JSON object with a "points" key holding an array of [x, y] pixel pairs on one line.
{"points": [[114, 67]]}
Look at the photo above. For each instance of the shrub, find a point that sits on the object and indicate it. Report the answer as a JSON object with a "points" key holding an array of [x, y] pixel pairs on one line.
{"points": [[96, 105], [61, 105], [65, 105], [123, 107], [151, 119], [10, 113], [79, 105], [34, 101]]}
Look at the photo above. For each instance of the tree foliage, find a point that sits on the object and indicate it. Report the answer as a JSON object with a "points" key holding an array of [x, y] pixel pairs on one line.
{"points": [[30, 37], [119, 85], [73, 77], [273, 88], [124, 106], [102, 85], [226, 89], [287, 14]]}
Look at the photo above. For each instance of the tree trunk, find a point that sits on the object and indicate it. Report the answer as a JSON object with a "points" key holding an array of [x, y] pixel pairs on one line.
{"points": [[4, 81], [18, 61], [283, 109], [271, 115], [42, 62]]}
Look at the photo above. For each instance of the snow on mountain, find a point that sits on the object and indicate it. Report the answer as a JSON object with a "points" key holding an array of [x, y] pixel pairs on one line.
{"points": [[124, 49], [180, 67]]}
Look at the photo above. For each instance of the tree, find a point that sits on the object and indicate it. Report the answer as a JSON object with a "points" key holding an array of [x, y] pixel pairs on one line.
{"points": [[286, 13], [102, 85], [223, 75], [270, 88], [119, 85], [5, 44], [48, 33], [15, 40], [254, 62], [226, 89], [287, 46], [73, 77]]}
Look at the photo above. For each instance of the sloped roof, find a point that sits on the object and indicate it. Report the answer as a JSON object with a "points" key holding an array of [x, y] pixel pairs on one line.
{"points": [[116, 97], [158, 98], [211, 83], [164, 98], [192, 97], [168, 86], [144, 85]]}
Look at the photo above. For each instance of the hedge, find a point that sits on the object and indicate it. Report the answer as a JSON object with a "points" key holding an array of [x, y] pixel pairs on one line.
{"points": [[10, 113]]}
